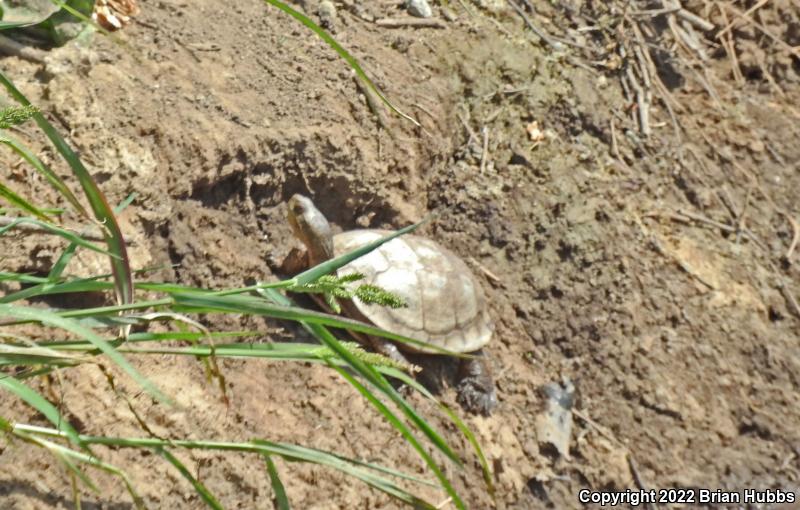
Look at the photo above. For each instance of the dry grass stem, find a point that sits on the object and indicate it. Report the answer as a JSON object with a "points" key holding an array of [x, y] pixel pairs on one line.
{"points": [[485, 150], [729, 26], [795, 236], [783, 44], [695, 20], [740, 219], [544, 36], [730, 49], [410, 22]]}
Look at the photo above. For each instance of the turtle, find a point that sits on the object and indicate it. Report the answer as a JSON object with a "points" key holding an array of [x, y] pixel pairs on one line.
{"points": [[446, 305]]}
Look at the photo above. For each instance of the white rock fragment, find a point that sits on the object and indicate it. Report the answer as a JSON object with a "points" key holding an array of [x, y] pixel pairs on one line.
{"points": [[554, 425], [419, 8]]}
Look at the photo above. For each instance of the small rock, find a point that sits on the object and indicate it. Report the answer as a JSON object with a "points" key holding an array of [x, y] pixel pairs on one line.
{"points": [[365, 220], [327, 14], [419, 8], [554, 425]]}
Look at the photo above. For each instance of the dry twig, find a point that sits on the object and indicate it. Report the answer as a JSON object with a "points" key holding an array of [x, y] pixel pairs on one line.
{"points": [[688, 217], [795, 236], [730, 49], [614, 145], [544, 36], [727, 201], [695, 20], [748, 12], [783, 44], [410, 22], [485, 151], [651, 78], [444, 503], [740, 219], [599, 428], [790, 299], [472, 135], [492, 277], [608, 435], [634, 467], [674, 9]]}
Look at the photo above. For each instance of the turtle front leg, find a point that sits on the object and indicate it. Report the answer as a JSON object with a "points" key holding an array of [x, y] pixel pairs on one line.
{"points": [[476, 390]]}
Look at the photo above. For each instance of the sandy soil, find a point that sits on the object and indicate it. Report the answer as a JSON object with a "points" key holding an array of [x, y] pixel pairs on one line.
{"points": [[655, 273]]}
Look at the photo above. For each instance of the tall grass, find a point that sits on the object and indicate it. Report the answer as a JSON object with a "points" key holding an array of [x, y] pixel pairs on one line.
{"points": [[66, 339]]}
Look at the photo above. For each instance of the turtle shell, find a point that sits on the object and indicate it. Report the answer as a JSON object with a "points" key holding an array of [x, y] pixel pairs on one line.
{"points": [[446, 305]]}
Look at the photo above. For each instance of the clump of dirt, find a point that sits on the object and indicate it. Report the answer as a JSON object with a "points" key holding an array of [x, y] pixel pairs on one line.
{"points": [[648, 259]]}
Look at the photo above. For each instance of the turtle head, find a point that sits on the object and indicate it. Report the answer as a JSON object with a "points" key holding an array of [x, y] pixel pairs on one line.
{"points": [[312, 228]]}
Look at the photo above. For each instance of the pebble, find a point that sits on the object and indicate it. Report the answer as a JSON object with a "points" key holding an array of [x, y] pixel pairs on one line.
{"points": [[419, 8], [327, 14]]}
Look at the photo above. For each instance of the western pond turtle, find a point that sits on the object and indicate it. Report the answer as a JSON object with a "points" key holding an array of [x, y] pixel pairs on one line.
{"points": [[446, 306]]}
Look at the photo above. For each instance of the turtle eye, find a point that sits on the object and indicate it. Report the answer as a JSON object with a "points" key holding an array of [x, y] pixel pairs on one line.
{"points": [[297, 208]]}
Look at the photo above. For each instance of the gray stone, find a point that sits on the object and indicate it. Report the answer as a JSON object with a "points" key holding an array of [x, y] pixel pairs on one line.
{"points": [[419, 8]]}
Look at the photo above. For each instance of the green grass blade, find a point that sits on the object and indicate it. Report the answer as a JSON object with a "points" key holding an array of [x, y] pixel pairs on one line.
{"points": [[113, 310], [38, 402], [51, 285], [303, 454], [6, 25], [53, 229], [52, 319], [206, 303], [199, 488], [19, 355], [334, 264], [190, 336], [32, 434], [116, 243], [465, 430], [125, 203], [6, 276], [55, 181], [289, 452], [281, 501], [58, 268], [19, 202], [169, 288], [68, 463], [379, 382], [54, 449], [273, 351], [351, 61], [313, 353]]}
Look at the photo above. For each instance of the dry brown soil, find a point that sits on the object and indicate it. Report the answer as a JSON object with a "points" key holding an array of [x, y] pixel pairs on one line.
{"points": [[679, 334]]}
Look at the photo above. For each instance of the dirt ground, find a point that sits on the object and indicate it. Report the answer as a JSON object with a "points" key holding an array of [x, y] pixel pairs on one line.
{"points": [[656, 272]]}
